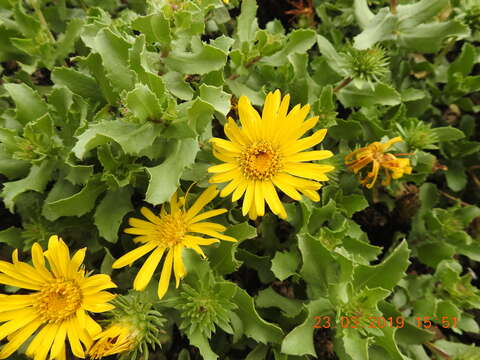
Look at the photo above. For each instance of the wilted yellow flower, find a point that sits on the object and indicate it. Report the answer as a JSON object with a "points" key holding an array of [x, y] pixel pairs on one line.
{"points": [[170, 233], [57, 307], [375, 153], [115, 339], [268, 152]]}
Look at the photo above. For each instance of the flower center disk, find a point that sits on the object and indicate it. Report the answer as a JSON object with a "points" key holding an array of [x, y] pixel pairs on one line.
{"points": [[58, 301], [260, 161], [172, 229]]}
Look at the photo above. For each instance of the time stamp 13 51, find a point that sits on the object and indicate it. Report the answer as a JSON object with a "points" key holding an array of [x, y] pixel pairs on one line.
{"points": [[380, 322]]}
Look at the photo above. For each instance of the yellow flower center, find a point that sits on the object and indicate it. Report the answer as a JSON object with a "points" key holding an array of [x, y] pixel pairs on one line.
{"points": [[260, 161], [58, 301], [172, 229]]}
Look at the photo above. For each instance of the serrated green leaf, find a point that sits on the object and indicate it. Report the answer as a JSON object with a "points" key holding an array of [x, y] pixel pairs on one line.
{"points": [[299, 341], [284, 264], [254, 326], [214, 95], [164, 178], [110, 212], [29, 105], [143, 103], [11, 237], [270, 298], [298, 42], [133, 138], [114, 53], [203, 59], [155, 27], [36, 180], [77, 82], [77, 204], [177, 85], [383, 94], [448, 133], [247, 24], [385, 275]]}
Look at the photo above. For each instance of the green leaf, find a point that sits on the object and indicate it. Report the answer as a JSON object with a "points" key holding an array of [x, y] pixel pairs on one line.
{"points": [[178, 86], [247, 24], [270, 298], [284, 264], [464, 63], [318, 274], [203, 59], [355, 345], [254, 326], [448, 133], [385, 275], [201, 342], [214, 95], [428, 38], [298, 42], [363, 15], [114, 52], [110, 212], [383, 94], [12, 237], [144, 104], [77, 82], [334, 59], [155, 27], [456, 177], [77, 204], [353, 203], [133, 138], [164, 178], [36, 180], [299, 341], [29, 105]]}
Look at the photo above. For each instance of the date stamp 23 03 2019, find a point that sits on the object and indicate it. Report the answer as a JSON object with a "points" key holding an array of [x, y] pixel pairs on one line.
{"points": [[380, 322]]}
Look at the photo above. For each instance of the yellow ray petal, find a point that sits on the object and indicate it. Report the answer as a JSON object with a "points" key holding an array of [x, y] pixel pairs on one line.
{"points": [[207, 215], [133, 255], [259, 198], [306, 143], [165, 276], [273, 200], [248, 200], [178, 267], [145, 273], [208, 195], [150, 215], [309, 156]]}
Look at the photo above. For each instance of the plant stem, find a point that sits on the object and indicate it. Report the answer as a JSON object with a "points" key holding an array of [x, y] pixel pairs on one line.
{"points": [[451, 197], [393, 6], [344, 83], [43, 22]]}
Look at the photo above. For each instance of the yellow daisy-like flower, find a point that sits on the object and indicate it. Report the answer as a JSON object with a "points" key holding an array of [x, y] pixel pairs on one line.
{"points": [[116, 339], [268, 152], [375, 153], [170, 233], [57, 307]]}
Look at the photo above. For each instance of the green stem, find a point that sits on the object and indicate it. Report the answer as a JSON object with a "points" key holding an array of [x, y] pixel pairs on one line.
{"points": [[43, 22]]}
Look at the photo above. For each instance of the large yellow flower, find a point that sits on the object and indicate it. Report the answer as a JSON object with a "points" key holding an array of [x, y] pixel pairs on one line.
{"points": [[57, 307], [268, 152], [170, 233], [375, 153]]}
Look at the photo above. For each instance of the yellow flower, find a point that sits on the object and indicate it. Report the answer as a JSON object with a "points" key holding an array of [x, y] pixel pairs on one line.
{"points": [[375, 153], [170, 233], [57, 307], [117, 338], [268, 152]]}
